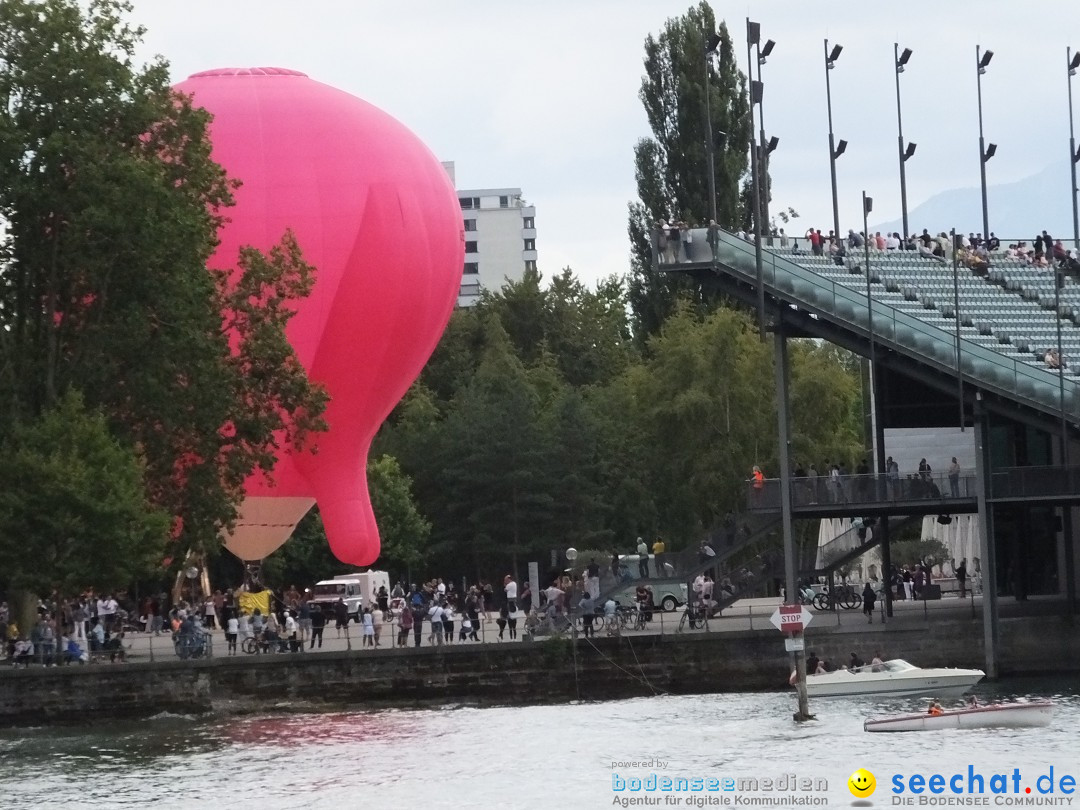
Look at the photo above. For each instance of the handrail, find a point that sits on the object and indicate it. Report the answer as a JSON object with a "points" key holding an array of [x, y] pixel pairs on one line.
{"points": [[900, 330]]}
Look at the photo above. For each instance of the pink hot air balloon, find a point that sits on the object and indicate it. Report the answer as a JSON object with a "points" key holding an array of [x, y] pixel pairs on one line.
{"points": [[376, 214]]}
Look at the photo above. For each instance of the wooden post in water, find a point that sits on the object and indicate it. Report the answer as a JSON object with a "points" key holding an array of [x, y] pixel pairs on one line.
{"points": [[791, 568]]}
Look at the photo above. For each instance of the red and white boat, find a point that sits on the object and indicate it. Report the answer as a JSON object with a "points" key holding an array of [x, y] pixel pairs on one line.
{"points": [[999, 715]]}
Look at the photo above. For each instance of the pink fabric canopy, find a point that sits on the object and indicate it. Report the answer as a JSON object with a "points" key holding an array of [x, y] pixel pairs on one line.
{"points": [[378, 217]]}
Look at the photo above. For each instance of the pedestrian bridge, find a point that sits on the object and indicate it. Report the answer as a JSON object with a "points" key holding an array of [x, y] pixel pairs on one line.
{"points": [[918, 494]]}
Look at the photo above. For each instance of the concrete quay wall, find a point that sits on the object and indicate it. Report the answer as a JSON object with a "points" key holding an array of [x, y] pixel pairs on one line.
{"points": [[536, 672]]}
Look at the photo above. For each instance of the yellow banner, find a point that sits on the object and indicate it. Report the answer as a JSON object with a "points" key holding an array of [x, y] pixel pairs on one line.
{"points": [[249, 601]]}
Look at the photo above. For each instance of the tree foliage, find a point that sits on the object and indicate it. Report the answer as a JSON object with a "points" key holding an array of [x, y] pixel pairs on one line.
{"points": [[306, 557], [73, 505], [113, 204], [670, 167], [552, 430]]}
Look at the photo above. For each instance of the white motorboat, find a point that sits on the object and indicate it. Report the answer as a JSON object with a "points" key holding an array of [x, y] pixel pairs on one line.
{"points": [[1001, 715], [895, 678]]}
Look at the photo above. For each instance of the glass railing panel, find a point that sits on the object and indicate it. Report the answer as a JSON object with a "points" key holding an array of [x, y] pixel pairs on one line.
{"points": [[907, 331]]}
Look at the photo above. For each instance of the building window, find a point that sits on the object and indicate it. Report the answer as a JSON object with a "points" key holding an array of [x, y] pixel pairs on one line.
{"points": [[504, 202], [530, 265], [470, 247], [469, 202], [472, 268], [470, 225], [530, 244], [528, 223]]}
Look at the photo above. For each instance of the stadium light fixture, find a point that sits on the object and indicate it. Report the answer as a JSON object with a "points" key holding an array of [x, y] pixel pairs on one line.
{"points": [[1074, 65], [986, 151], [770, 147], [905, 153], [766, 49], [713, 44], [835, 150]]}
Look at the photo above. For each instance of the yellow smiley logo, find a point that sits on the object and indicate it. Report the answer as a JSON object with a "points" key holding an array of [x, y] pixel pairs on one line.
{"points": [[861, 783]]}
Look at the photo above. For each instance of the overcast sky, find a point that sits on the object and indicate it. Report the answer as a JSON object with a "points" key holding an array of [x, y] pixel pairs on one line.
{"points": [[543, 95]]}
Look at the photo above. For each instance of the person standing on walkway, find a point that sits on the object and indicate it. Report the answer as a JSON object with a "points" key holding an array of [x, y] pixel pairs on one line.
{"points": [[435, 616], [961, 577], [418, 623], [232, 630], [658, 549], [588, 613], [510, 589], [341, 617], [713, 238], [643, 559], [405, 621], [318, 624], [868, 599], [954, 477]]}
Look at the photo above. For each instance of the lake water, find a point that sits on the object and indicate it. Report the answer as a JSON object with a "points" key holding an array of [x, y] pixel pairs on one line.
{"points": [[520, 758]]}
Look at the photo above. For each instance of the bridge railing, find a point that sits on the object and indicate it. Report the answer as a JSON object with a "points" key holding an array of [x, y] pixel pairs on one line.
{"points": [[868, 490], [1034, 482]]}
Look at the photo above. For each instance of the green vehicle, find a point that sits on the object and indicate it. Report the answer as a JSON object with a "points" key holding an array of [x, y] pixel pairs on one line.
{"points": [[666, 595]]}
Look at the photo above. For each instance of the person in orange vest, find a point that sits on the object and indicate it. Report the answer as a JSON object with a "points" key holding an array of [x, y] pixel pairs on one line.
{"points": [[758, 481]]}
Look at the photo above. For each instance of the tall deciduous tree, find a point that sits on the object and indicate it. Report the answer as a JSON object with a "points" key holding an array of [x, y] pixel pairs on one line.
{"points": [[73, 506], [114, 204], [671, 166]]}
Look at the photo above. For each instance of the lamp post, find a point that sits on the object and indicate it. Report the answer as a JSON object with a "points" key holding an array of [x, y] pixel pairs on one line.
{"points": [[763, 52], [712, 43], [985, 153], [835, 150], [867, 207], [753, 37], [1073, 61], [905, 153]]}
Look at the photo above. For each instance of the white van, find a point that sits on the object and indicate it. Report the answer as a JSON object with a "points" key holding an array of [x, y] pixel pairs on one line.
{"points": [[357, 590]]}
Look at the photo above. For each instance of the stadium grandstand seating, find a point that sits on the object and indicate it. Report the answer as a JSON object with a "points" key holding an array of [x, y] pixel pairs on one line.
{"points": [[1009, 310], [1005, 326]]}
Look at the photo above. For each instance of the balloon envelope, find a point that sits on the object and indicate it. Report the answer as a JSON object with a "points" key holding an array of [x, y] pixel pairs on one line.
{"points": [[376, 214]]}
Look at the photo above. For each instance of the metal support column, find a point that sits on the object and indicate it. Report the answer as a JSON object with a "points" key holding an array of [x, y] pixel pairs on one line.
{"points": [[882, 474], [986, 542], [791, 562]]}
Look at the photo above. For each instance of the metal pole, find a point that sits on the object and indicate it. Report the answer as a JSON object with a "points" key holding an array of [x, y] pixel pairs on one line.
{"points": [[982, 145], [869, 299], [764, 167], [956, 314], [986, 541], [900, 141], [1058, 281], [1073, 161], [755, 171], [710, 147], [832, 147], [791, 566]]}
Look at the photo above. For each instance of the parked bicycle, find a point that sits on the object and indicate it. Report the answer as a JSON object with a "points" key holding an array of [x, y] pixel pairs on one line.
{"points": [[843, 596]]}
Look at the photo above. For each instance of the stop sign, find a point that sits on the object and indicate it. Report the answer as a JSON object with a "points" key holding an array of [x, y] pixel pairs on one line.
{"points": [[791, 618]]}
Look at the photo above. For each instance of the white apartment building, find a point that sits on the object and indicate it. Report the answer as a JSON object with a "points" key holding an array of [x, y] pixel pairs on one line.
{"points": [[500, 238]]}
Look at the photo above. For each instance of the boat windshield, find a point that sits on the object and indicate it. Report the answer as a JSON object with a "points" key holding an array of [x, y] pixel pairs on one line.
{"points": [[897, 665]]}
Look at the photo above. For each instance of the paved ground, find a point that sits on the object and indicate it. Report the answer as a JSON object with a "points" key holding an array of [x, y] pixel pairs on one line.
{"points": [[747, 614]]}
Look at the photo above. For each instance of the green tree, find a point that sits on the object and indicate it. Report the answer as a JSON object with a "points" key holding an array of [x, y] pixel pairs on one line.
{"points": [[114, 204], [305, 558], [403, 530], [671, 166], [73, 506], [493, 486]]}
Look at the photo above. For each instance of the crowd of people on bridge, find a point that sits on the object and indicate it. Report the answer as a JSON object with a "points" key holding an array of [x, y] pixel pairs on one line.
{"points": [[834, 483]]}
